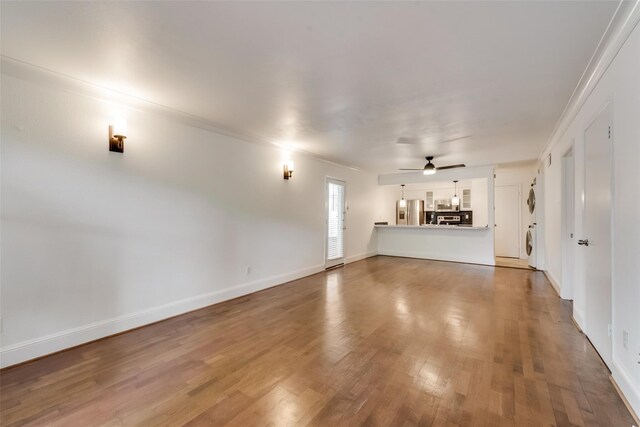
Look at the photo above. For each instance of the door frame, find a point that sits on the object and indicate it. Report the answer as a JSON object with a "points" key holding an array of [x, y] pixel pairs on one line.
{"points": [[339, 261], [519, 217], [568, 241]]}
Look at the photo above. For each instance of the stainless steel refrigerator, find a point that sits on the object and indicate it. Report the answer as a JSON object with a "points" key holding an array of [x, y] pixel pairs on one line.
{"points": [[410, 212]]}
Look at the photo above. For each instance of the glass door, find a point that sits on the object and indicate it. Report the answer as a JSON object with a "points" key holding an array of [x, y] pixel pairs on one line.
{"points": [[335, 223]]}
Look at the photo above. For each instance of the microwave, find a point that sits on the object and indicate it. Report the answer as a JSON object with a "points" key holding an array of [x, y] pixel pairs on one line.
{"points": [[444, 205]]}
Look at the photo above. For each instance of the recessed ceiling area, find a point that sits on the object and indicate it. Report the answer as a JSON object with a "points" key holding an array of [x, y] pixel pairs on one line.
{"points": [[375, 85]]}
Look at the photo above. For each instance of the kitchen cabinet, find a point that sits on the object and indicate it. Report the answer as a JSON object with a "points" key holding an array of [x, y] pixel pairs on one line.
{"points": [[466, 199], [442, 193], [429, 201]]}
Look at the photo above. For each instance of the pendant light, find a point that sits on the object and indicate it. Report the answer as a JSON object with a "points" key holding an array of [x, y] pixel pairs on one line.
{"points": [[403, 202], [456, 200]]}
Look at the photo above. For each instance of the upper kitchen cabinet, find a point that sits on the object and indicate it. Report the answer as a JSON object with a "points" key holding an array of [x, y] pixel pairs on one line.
{"points": [[429, 204], [444, 193], [466, 199]]}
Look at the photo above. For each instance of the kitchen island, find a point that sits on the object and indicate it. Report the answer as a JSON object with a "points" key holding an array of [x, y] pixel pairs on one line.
{"points": [[438, 242]]}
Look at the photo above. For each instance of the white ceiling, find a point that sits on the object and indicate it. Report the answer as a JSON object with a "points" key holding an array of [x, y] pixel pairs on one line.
{"points": [[344, 81]]}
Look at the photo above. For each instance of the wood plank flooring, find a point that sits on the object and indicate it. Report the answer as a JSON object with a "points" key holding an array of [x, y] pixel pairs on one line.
{"points": [[384, 341]]}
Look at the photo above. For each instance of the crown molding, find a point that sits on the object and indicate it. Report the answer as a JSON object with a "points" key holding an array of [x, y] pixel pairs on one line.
{"points": [[52, 79], [621, 25]]}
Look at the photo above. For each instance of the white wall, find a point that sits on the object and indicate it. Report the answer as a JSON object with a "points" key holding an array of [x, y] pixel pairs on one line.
{"points": [[522, 176], [445, 244], [95, 242], [480, 202], [620, 86]]}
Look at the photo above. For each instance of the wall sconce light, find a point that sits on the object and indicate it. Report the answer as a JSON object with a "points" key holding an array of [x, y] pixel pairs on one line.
{"points": [[117, 135], [288, 169]]}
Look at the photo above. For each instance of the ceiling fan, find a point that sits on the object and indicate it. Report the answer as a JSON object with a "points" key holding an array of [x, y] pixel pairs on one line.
{"points": [[430, 168]]}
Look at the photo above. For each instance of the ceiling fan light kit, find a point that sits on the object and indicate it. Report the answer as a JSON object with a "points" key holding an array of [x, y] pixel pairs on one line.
{"points": [[429, 170]]}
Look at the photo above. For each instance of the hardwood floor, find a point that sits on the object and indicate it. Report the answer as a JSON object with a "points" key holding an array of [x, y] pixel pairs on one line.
{"points": [[384, 341]]}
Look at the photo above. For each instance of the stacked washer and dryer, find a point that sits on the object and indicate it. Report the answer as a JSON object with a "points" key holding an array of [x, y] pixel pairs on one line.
{"points": [[534, 237]]}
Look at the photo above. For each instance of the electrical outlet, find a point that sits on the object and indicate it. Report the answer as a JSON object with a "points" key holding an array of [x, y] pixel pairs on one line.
{"points": [[248, 270], [625, 339]]}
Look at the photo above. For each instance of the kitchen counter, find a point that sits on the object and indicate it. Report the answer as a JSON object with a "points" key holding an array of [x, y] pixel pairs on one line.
{"points": [[434, 226], [437, 242]]}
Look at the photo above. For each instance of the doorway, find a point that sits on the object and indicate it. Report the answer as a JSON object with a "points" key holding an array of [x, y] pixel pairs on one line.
{"points": [[335, 204], [568, 224], [507, 221], [595, 243]]}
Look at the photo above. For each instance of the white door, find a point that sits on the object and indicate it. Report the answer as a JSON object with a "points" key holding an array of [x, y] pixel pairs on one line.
{"points": [[335, 223], [595, 242], [507, 220]]}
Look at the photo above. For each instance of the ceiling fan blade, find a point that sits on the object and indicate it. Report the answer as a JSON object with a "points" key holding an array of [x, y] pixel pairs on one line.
{"points": [[403, 169], [461, 165], [455, 139], [408, 141]]}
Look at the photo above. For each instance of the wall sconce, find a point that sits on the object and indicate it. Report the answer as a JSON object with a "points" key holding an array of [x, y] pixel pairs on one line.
{"points": [[288, 169], [117, 135]]}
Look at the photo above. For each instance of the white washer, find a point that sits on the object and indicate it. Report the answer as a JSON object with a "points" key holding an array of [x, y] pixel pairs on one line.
{"points": [[531, 244]]}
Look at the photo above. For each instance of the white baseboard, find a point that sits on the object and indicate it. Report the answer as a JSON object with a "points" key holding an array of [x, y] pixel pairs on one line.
{"points": [[31, 349], [627, 386], [578, 317], [361, 256], [553, 281], [439, 257]]}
